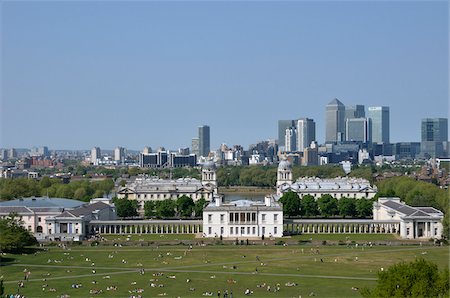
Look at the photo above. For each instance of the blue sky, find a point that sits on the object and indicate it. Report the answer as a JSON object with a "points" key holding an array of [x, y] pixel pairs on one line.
{"points": [[78, 74]]}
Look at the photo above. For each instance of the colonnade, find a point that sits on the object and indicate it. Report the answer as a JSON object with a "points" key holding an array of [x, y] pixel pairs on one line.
{"points": [[341, 226], [146, 227]]}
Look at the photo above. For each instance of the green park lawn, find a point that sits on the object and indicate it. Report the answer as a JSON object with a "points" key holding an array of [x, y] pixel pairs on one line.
{"points": [[345, 237], [148, 237], [326, 271]]}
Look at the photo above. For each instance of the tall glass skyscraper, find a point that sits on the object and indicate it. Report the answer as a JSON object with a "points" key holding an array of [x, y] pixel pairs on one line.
{"points": [[282, 126], [203, 140], [335, 121], [306, 133], [356, 111], [434, 137], [379, 124], [357, 130]]}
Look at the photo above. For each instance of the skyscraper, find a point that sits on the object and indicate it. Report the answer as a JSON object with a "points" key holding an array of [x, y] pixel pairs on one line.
{"points": [[203, 140], [119, 154], [379, 124], [282, 126], [95, 155], [290, 140], [355, 111], [306, 133], [335, 124], [357, 129], [434, 137], [195, 147]]}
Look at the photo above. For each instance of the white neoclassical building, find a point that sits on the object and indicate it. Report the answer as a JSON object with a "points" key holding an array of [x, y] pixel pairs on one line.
{"points": [[415, 222], [340, 187], [243, 219], [146, 188]]}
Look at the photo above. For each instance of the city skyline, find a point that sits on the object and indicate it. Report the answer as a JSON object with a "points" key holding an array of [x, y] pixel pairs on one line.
{"points": [[179, 65]]}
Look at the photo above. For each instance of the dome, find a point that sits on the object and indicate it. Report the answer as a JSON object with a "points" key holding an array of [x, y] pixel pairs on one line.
{"points": [[209, 165], [284, 165]]}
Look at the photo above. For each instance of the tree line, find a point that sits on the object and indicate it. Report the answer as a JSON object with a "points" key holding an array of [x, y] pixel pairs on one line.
{"points": [[183, 207], [14, 236], [325, 206], [82, 190]]}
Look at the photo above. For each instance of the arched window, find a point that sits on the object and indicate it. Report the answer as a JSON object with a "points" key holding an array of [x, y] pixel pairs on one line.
{"points": [[39, 229]]}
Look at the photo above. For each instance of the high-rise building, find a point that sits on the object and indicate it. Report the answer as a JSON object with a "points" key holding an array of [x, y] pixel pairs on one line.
{"points": [[290, 140], [195, 148], [306, 133], [335, 124], [95, 155], [357, 130], [355, 111], [379, 124], [119, 155], [434, 137], [282, 126], [204, 140]]}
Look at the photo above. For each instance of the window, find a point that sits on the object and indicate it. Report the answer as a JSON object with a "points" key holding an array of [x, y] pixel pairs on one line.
{"points": [[263, 217], [231, 217], [221, 230], [263, 230], [209, 218], [407, 231], [248, 230], [209, 230], [236, 217], [231, 230], [275, 230], [39, 219], [222, 218], [253, 217], [248, 217], [275, 217], [254, 230], [435, 231], [242, 230], [29, 228], [237, 230]]}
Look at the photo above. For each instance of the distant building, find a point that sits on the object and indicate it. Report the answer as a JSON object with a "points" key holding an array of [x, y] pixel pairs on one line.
{"points": [[434, 139], [310, 155], [195, 147], [341, 187], [146, 188], [355, 111], [243, 219], [306, 133], [335, 121], [282, 126], [204, 140], [290, 140], [119, 155], [379, 124], [357, 130], [96, 155], [415, 222], [406, 150]]}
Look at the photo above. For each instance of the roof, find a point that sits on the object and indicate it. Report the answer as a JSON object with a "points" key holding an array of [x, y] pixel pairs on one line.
{"points": [[88, 209], [43, 202], [15, 209], [156, 185], [244, 204], [409, 211], [345, 184], [335, 101]]}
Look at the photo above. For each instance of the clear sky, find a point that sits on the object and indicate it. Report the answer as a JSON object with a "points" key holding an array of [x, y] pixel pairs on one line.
{"points": [[79, 74]]}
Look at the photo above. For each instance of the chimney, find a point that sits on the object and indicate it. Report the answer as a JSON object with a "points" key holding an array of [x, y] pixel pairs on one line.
{"points": [[267, 200], [218, 200]]}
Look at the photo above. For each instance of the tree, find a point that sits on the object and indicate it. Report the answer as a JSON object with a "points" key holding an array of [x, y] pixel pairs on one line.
{"points": [[364, 208], [185, 206], [149, 209], [199, 206], [419, 278], [14, 236], [347, 207], [291, 203], [308, 206], [45, 182], [165, 208], [80, 193], [125, 207], [327, 205]]}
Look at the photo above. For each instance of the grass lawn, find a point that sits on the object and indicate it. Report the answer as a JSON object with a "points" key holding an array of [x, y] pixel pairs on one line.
{"points": [[147, 237], [326, 271], [346, 237]]}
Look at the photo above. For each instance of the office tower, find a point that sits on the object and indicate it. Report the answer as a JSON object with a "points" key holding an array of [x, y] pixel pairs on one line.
{"points": [[306, 133], [203, 140], [119, 154], [195, 146], [282, 126], [43, 151], [355, 111], [379, 124], [357, 130], [290, 140], [95, 155], [434, 137], [147, 150], [3, 154], [335, 124]]}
